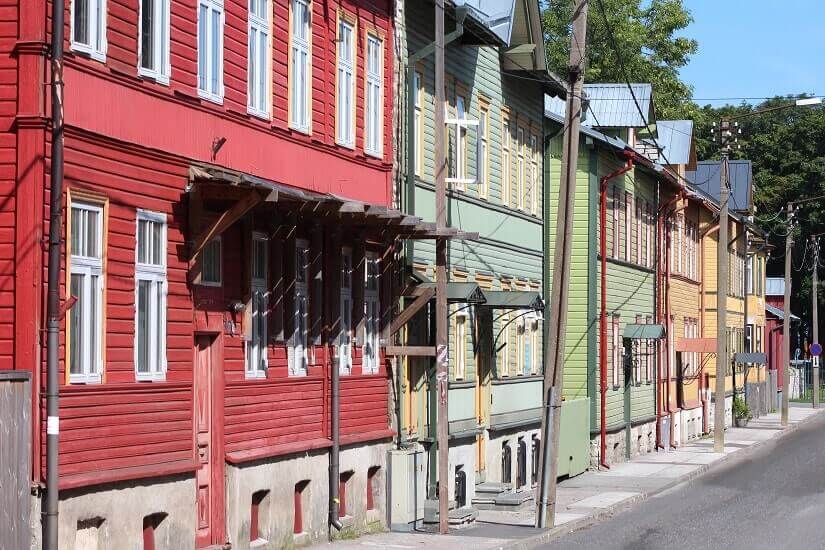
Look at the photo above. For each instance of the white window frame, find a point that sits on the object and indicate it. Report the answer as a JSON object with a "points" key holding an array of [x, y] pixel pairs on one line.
{"points": [[160, 66], [258, 89], [522, 367], [615, 222], [212, 68], [374, 98], [483, 135], [648, 235], [535, 330], [618, 349], [628, 225], [418, 121], [345, 335], [256, 360], [300, 98], [299, 348], [535, 175], [640, 233], [371, 350], [91, 361], [506, 162], [97, 46], [504, 329], [155, 274], [345, 84], [216, 242], [460, 141], [462, 320], [520, 167]]}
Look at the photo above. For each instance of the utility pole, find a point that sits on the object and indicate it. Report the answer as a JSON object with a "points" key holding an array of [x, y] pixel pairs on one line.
{"points": [[722, 297], [748, 339], [815, 304], [786, 325], [557, 325], [441, 376]]}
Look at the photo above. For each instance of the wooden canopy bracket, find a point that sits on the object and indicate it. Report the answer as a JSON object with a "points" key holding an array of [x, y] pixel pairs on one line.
{"points": [[411, 310], [225, 220]]}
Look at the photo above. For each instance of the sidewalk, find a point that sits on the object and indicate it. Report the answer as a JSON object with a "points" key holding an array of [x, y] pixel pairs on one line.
{"points": [[592, 496]]}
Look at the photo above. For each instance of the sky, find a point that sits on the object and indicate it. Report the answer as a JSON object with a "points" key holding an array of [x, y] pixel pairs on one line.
{"points": [[756, 48]]}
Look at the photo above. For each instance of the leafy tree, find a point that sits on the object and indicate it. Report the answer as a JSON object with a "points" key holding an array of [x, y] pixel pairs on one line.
{"points": [[646, 32]]}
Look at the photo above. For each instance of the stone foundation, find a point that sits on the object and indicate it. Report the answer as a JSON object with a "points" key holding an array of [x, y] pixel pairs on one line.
{"points": [[494, 452], [642, 439], [690, 422]]}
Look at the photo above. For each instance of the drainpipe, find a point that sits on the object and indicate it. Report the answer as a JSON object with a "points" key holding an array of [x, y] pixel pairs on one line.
{"points": [[663, 315], [335, 428], [53, 313], [628, 166]]}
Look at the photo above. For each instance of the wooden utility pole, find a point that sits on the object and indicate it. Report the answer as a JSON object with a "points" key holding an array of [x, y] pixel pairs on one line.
{"points": [[557, 322], [441, 374], [748, 339], [722, 298], [786, 325], [815, 305]]}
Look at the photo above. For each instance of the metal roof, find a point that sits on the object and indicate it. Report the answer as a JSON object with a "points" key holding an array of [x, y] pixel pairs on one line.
{"points": [[489, 17], [643, 331], [513, 299], [707, 176], [675, 137], [774, 286], [595, 134], [612, 105], [778, 313]]}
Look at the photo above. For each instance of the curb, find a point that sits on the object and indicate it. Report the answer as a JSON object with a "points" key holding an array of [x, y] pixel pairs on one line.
{"points": [[607, 513]]}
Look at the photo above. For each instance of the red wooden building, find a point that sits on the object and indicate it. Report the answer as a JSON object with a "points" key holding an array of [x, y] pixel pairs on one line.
{"points": [[228, 237]]}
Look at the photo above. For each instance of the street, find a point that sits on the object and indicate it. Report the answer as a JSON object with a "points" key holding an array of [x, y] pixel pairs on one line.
{"points": [[774, 498]]}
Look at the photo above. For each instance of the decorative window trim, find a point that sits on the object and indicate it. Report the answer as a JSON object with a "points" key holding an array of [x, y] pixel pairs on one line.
{"points": [[521, 167], [371, 297], [162, 43], [418, 121], [212, 6], [535, 184], [97, 30], [155, 274], [304, 46], [484, 136], [371, 78], [350, 67], [462, 320], [263, 27], [506, 158], [617, 352], [346, 341], [256, 285], [301, 290]]}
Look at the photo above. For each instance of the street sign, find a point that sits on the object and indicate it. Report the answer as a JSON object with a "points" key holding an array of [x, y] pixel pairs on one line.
{"points": [[816, 349]]}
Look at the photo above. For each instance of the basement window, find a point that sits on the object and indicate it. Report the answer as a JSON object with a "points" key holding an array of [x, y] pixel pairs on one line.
{"points": [[88, 533], [258, 510], [344, 481], [298, 506], [151, 525], [372, 486], [506, 463]]}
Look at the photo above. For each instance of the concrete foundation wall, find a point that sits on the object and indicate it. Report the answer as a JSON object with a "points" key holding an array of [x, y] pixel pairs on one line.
{"points": [[111, 516], [463, 453], [279, 477], [758, 398], [642, 441], [690, 422], [728, 413], [494, 452]]}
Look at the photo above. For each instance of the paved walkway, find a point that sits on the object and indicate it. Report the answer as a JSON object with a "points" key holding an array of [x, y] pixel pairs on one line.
{"points": [[592, 496]]}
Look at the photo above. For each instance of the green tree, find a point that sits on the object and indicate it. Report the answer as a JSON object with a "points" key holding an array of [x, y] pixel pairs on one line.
{"points": [[647, 34]]}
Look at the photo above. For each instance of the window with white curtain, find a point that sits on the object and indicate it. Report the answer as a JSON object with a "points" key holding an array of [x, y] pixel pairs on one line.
{"points": [[256, 360], [345, 335], [372, 315], [258, 58], [374, 96], [85, 323], [346, 83], [88, 32], [300, 313], [210, 50], [150, 296], [300, 76], [153, 43]]}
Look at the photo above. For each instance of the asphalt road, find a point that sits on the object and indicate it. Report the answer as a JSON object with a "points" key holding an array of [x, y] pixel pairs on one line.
{"points": [[774, 498]]}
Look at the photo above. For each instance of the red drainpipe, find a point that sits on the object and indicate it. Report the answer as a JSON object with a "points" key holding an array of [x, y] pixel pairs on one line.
{"points": [[628, 166]]}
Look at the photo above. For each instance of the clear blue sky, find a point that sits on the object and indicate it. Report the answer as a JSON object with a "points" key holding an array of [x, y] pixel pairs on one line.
{"points": [[759, 48]]}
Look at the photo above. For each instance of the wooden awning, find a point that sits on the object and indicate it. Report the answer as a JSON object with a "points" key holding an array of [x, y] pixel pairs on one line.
{"points": [[219, 182], [513, 299], [697, 345], [643, 331], [756, 358]]}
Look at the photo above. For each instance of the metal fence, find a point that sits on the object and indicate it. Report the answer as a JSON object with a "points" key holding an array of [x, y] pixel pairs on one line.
{"points": [[15, 459], [801, 384]]}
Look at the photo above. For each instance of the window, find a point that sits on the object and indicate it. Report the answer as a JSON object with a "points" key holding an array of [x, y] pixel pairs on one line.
{"points": [[346, 83], [211, 263], [649, 236], [300, 66], [345, 336], [484, 171], [506, 174], [210, 50], [534, 353], [86, 285], [256, 360], [260, 500], [460, 142], [258, 58], [504, 353], [300, 313], [617, 352], [750, 277], [520, 168], [372, 315], [615, 222], [535, 178], [651, 354], [372, 486], [151, 526], [460, 345], [535, 458], [89, 28], [522, 363], [343, 482], [506, 463], [418, 88], [640, 235], [374, 95], [154, 40], [628, 225], [298, 507], [150, 296]]}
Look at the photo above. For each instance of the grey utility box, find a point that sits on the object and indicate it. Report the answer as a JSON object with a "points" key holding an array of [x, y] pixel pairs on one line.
{"points": [[406, 488]]}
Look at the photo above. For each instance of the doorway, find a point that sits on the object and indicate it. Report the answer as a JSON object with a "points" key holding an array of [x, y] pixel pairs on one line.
{"points": [[208, 420]]}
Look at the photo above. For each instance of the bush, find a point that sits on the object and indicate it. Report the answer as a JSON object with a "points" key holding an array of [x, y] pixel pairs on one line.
{"points": [[741, 409]]}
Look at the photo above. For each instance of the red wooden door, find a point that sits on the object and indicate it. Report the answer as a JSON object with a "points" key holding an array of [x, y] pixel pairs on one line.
{"points": [[209, 441]]}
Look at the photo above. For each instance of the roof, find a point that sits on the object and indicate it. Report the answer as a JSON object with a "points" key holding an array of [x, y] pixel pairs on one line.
{"points": [[613, 106], [513, 299], [707, 177], [460, 293], [774, 286], [778, 313], [675, 137], [643, 331], [493, 19]]}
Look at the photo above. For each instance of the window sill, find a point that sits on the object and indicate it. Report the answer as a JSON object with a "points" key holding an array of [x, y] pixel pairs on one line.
{"points": [[88, 51], [258, 543], [158, 377], [85, 379], [345, 145], [374, 154], [263, 115], [153, 76], [256, 375], [209, 284], [305, 131], [212, 98]]}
